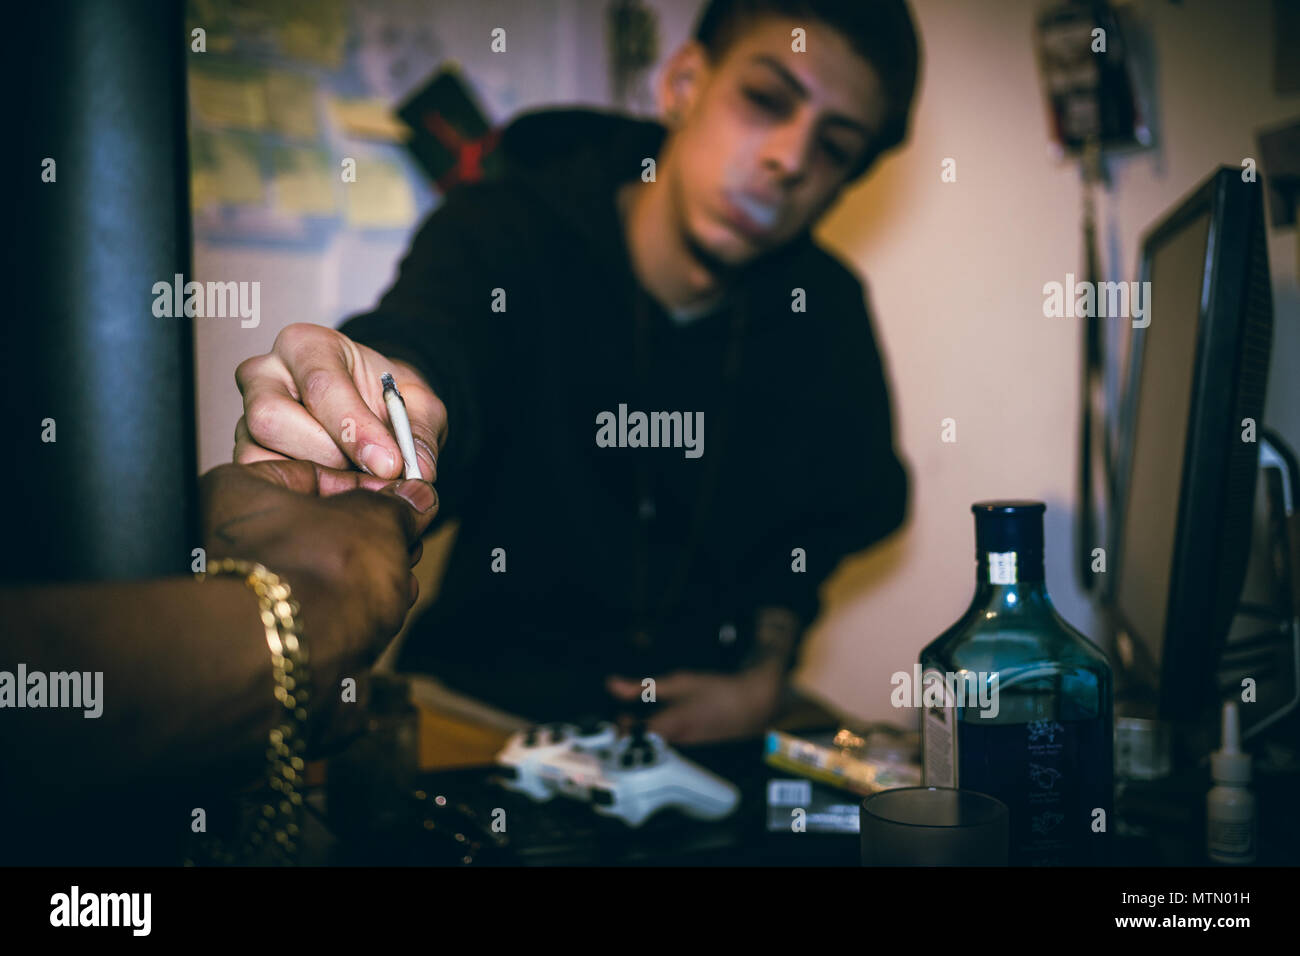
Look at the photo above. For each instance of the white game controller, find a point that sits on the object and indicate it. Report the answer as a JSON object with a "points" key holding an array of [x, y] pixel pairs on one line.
{"points": [[629, 777]]}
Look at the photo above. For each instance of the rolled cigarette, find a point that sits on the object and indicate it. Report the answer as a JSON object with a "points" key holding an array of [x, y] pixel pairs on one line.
{"points": [[401, 426]]}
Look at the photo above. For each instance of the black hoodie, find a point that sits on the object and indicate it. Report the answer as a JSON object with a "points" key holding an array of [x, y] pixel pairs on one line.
{"points": [[516, 301]]}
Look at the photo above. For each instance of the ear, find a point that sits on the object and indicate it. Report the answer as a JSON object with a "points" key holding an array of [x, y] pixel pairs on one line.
{"points": [[680, 82]]}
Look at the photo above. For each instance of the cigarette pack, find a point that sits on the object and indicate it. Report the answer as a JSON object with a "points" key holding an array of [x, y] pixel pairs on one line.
{"points": [[863, 764]]}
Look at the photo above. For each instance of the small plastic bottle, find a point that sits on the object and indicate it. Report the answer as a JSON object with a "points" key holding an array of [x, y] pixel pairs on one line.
{"points": [[1230, 806]]}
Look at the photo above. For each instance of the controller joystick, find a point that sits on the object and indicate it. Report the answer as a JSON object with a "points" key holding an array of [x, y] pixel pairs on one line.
{"points": [[557, 732], [590, 726]]}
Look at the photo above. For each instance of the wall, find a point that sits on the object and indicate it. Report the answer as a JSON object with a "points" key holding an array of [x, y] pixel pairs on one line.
{"points": [[543, 64], [956, 273]]}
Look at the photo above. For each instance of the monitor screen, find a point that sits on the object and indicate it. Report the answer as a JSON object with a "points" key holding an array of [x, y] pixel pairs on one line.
{"points": [[1160, 412]]}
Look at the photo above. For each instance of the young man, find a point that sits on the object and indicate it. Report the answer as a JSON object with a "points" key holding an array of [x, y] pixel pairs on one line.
{"points": [[655, 405]]}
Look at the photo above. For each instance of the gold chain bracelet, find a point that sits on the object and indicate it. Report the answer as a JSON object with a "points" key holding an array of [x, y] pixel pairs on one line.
{"points": [[277, 830]]}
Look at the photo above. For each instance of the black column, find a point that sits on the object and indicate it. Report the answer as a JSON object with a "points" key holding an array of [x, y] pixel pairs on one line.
{"points": [[102, 93]]}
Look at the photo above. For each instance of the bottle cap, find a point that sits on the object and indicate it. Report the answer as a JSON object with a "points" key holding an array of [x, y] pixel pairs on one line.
{"points": [[1010, 525], [1228, 764]]}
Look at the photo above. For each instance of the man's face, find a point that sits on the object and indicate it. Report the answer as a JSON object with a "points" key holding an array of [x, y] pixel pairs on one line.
{"points": [[767, 136]]}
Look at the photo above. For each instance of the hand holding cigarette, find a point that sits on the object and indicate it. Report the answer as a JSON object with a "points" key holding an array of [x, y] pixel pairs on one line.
{"points": [[318, 396]]}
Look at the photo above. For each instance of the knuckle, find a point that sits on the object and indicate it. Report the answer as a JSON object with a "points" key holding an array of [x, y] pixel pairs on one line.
{"points": [[260, 421], [316, 385], [214, 476], [396, 593], [345, 561], [243, 451], [433, 420], [334, 570], [437, 410], [385, 584], [391, 528], [292, 336], [247, 370], [379, 521]]}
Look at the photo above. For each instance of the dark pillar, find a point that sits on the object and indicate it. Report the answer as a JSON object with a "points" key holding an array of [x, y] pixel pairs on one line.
{"points": [[102, 93]]}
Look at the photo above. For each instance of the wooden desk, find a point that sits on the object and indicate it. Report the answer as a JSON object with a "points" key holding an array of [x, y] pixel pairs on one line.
{"points": [[451, 741]]}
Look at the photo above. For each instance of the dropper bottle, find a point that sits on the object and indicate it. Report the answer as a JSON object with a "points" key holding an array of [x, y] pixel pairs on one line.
{"points": [[1230, 806]]}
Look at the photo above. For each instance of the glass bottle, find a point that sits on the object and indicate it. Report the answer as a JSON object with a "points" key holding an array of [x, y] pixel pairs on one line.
{"points": [[1018, 704]]}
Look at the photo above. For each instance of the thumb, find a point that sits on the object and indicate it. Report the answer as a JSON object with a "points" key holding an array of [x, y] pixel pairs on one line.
{"points": [[416, 505], [623, 688], [310, 478]]}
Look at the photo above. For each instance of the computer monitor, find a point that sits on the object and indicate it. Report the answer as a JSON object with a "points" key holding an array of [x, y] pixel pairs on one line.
{"points": [[1186, 470]]}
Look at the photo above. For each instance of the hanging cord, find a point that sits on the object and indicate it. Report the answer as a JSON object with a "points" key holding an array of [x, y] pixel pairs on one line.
{"points": [[1092, 386]]}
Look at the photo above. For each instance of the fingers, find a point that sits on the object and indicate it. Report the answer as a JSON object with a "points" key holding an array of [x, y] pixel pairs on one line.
{"points": [[309, 478], [410, 505], [318, 364], [426, 457], [678, 684], [303, 401], [622, 688], [274, 420], [332, 481], [299, 476], [679, 721], [421, 506], [247, 450]]}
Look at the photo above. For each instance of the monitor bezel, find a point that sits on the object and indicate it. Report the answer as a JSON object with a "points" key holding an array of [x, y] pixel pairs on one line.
{"points": [[1184, 681]]}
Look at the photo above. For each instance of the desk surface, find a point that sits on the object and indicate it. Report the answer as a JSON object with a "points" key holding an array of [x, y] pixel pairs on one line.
{"points": [[567, 832], [1157, 825]]}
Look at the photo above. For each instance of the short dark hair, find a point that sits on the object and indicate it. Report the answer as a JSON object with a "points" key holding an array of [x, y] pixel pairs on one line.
{"points": [[880, 31]]}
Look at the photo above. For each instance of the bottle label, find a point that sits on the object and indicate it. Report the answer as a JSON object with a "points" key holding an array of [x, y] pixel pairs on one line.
{"points": [[1002, 567], [1053, 775], [1230, 839], [939, 735]]}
